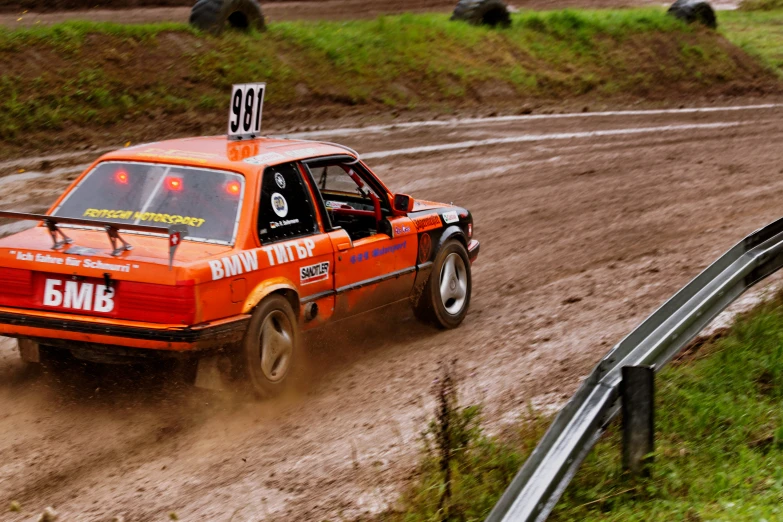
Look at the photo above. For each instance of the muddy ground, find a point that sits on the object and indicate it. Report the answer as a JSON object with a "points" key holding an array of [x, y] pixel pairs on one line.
{"points": [[587, 223]]}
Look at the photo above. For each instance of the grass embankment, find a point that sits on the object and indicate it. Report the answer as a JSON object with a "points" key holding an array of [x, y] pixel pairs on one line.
{"points": [[84, 82], [758, 33], [719, 445], [761, 5]]}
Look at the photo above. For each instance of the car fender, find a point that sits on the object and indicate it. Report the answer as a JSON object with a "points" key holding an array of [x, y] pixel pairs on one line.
{"points": [[451, 232], [266, 287]]}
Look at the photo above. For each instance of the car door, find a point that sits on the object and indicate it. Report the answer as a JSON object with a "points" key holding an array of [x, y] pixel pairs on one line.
{"points": [[374, 259], [296, 246]]}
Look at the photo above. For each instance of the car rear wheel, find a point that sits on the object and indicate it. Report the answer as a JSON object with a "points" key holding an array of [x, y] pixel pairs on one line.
{"points": [[271, 351], [446, 296]]}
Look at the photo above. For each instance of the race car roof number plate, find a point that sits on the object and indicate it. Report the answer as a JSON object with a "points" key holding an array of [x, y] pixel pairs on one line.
{"points": [[244, 112]]}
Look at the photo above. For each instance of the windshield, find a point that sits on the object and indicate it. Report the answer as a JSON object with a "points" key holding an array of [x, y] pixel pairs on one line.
{"points": [[206, 201]]}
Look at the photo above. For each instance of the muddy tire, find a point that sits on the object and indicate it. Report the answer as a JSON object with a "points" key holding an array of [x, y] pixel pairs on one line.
{"points": [[694, 11], [218, 15], [482, 12], [270, 354], [446, 296]]}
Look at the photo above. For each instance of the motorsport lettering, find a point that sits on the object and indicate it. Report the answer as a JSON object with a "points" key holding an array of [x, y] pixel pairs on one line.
{"points": [[171, 219], [378, 252]]}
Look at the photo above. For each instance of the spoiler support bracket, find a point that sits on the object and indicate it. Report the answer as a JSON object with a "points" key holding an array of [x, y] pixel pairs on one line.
{"points": [[114, 237], [55, 231], [175, 233]]}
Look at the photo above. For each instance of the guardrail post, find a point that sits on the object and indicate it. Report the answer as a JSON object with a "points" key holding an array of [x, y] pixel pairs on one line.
{"points": [[637, 390]]}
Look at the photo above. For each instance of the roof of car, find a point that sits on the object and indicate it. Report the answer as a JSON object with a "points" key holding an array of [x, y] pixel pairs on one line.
{"points": [[219, 152]]}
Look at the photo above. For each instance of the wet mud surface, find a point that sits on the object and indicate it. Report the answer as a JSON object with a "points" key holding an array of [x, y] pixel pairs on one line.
{"points": [[587, 225]]}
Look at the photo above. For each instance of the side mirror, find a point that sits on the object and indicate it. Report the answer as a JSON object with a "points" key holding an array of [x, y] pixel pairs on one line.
{"points": [[403, 203]]}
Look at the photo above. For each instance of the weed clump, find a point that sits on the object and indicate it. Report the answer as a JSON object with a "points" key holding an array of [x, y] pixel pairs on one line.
{"points": [[462, 471]]}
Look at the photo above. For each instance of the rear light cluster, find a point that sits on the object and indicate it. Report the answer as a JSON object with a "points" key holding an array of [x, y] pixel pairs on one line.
{"points": [[128, 300], [15, 282], [157, 303]]}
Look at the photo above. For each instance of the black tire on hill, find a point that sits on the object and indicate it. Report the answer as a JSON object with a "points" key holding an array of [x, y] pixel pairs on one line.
{"points": [[691, 11], [217, 15], [482, 12]]}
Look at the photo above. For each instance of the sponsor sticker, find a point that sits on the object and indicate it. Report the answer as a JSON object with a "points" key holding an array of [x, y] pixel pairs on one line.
{"points": [[401, 230], [314, 273], [378, 252], [283, 223], [425, 248], [450, 217], [82, 251], [200, 157], [279, 205], [74, 261], [263, 159], [247, 261], [280, 180], [428, 222]]}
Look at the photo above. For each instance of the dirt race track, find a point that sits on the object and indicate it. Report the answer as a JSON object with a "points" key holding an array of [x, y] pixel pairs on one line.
{"points": [[587, 223]]}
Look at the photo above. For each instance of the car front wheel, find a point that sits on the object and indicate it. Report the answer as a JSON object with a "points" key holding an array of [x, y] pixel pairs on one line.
{"points": [[446, 296]]}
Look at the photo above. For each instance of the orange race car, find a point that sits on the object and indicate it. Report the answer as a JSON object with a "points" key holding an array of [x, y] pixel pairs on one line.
{"points": [[224, 250]]}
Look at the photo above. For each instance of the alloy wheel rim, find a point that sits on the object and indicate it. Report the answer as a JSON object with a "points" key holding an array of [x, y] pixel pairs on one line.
{"points": [[277, 346], [453, 284]]}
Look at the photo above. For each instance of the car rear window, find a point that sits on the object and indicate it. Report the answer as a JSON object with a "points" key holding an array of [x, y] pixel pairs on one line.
{"points": [[207, 201]]}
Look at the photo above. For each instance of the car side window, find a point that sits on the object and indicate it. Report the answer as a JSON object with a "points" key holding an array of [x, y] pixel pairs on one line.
{"points": [[335, 179], [286, 209]]}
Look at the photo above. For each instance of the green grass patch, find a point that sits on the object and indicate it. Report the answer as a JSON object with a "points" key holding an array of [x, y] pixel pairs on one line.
{"points": [[759, 33], [719, 445], [78, 81]]}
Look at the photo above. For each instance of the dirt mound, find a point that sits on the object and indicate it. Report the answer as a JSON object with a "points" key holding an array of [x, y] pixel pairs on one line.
{"points": [[134, 83]]}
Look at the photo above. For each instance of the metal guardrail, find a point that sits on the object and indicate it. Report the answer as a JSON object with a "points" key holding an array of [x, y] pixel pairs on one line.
{"points": [[536, 488]]}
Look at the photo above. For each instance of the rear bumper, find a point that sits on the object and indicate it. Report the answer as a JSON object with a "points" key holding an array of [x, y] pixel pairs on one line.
{"points": [[59, 327], [473, 250]]}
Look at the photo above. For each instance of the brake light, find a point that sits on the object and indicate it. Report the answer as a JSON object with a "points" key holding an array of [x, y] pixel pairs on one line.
{"points": [[470, 230], [233, 188], [121, 177], [157, 303], [14, 281], [174, 183]]}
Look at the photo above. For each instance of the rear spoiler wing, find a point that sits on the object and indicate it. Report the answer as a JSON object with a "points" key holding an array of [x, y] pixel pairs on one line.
{"points": [[118, 245]]}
